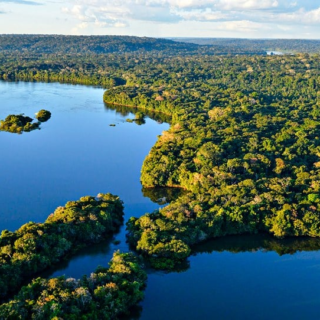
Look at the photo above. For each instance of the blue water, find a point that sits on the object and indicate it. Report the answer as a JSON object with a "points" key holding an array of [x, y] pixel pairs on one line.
{"points": [[77, 153], [252, 284]]}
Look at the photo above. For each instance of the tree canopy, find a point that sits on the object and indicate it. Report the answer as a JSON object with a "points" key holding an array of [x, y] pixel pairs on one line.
{"points": [[105, 294], [37, 246]]}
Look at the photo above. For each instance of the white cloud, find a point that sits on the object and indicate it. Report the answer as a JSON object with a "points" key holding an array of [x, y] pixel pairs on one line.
{"points": [[21, 2], [202, 15], [99, 15], [241, 26], [241, 14], [301, 16], [247, 4]]}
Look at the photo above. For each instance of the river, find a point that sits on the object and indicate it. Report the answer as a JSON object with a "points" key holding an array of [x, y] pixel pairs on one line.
{"points": [[78, 153]]}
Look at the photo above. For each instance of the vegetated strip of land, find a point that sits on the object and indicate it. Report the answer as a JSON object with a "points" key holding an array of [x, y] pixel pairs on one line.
{"points": [[105, 294], [37, 246]]}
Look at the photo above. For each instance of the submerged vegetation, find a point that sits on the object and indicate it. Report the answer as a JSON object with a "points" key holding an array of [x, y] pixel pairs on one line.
{"points": [[37, 246], [21, 123], [105, 294]]}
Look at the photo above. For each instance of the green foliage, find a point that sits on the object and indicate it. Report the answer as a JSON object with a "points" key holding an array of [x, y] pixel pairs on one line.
{"points": [[37, 246], [139, 116], [106, 294], [46, 44], [18, 124], [284, 45], [246, 149], [244, 136], [43, 115]]}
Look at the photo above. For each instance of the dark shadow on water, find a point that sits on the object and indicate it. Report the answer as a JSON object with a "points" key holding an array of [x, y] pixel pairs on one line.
{"points": [[163, 195], [134, 313], [140, 122], [94, 250], [125, 111], [260, 242], [247, 243]]}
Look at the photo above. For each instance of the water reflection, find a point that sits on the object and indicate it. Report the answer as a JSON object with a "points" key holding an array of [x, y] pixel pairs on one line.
{"points": [[246, 244], [125, 111], [100, 251], [252, 243], [134, 313], [163, 195]]}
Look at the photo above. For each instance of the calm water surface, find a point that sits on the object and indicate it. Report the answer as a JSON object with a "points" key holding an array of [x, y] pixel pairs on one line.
{"points": [[77, 153]]}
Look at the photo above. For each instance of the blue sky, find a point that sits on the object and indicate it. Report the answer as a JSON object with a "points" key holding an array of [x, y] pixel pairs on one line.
{"points": [[164, 18]]}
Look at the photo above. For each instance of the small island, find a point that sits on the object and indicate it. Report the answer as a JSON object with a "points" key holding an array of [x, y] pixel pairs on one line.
{"points": [[21, 123], [18, 124], [43, 115]]}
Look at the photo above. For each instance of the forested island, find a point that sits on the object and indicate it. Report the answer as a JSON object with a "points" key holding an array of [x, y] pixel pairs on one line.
{"points": [[37, 246], [43, 115], [18, 124], [21, 123]]}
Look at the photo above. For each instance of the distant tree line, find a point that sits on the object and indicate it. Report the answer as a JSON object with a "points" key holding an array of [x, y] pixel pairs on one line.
{"points": [[282, 45]]}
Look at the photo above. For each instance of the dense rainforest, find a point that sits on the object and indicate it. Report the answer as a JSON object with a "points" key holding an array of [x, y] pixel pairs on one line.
{"points": [[282, 45], [100, 60], [243, 140], [243, 146], [87, 45], [37, 246]]}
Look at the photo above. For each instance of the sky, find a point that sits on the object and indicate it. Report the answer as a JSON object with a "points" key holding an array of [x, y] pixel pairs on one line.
{"points": [[164, 18]]}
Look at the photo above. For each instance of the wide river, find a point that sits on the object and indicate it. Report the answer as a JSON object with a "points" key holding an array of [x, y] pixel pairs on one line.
{"points": [[78, 153]]}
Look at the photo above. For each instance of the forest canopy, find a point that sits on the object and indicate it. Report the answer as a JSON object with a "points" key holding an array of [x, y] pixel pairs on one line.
{"points": [[43, 115], [244, 135], [105, 294], [21, 123], [88, 45], [244, 140], [36, 246], [284, 45], [18, 124]]}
